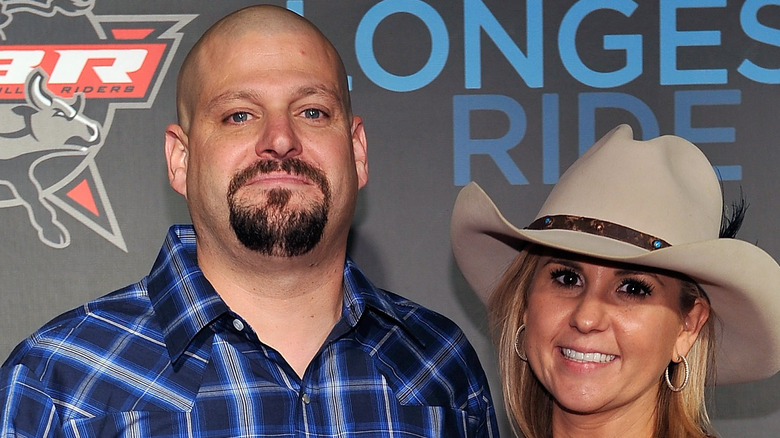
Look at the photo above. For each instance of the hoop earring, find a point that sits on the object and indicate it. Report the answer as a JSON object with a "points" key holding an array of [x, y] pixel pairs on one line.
{"points": [[685, 380], [522, 357]]}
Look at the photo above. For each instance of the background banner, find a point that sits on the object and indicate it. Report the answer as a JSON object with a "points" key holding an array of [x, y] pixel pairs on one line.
{"points": [[507, 93]]}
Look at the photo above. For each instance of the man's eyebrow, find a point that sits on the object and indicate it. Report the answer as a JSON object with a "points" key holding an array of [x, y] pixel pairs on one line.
{"points": [[231, 96], [252, 95], [319, 90]]}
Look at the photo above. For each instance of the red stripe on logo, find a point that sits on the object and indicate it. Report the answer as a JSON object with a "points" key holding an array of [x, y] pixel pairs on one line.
{"points": [[131, 34]]}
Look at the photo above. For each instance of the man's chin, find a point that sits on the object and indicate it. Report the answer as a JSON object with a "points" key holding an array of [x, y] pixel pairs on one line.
{"points": [[282, 199], [283, 231]]}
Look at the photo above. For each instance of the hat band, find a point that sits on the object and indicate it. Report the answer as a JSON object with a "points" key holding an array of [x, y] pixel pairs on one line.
{"points": [[599, 228]]}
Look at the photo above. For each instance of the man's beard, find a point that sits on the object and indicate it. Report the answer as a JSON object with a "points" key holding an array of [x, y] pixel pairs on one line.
{"points": [[272, 229]]}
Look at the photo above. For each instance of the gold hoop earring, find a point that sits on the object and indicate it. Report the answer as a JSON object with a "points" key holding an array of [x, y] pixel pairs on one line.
{"points": [[685, 380], [522, 357]]}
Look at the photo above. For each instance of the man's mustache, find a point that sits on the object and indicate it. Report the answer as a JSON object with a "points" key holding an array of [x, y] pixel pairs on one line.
{"points": [[292, 166]]}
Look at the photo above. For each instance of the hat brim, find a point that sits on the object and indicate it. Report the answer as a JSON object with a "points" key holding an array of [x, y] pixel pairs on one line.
{"points": [[738, 277]]}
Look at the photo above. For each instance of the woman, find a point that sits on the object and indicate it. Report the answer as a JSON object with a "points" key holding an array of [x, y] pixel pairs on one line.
{"points": [[624, 297]]}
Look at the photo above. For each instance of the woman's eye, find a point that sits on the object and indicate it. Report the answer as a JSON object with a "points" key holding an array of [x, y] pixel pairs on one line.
{"points": [[635, 288], [566, 277], [239, 117]]}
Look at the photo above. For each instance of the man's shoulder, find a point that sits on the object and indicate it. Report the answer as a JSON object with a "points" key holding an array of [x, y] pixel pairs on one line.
{"points": [[427, 348], [401, 309], [420, 317], [92, 326], [423, 331]]}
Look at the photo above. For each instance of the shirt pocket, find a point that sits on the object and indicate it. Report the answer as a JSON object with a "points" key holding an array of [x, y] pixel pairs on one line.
{"points": [[434, 421], [131, 424]]}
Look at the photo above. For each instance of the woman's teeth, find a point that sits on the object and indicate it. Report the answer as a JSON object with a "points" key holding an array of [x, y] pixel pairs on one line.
{"points": [[587, 357]]}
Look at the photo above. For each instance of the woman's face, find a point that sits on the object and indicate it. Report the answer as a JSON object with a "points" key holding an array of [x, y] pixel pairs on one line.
{"points": [[599, 336]]}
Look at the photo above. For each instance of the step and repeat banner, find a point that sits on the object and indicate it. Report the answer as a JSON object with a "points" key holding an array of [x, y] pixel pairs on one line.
{"points": [[507, 93]]}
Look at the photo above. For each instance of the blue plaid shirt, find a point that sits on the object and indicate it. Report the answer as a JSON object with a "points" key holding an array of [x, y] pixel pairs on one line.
{"points": [[166, 357]]}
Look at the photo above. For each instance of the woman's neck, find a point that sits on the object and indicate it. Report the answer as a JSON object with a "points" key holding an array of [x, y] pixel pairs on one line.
{"points": [[627, 422]]}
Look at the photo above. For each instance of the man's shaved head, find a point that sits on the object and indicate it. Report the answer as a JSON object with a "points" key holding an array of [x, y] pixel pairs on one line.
{"points": [[262, 20]]}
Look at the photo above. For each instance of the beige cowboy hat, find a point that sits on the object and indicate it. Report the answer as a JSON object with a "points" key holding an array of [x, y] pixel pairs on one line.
{"points": [[653, 203]]}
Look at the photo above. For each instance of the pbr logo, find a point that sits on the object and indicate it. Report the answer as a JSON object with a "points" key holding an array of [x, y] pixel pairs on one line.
{"points": [[58, 98]]}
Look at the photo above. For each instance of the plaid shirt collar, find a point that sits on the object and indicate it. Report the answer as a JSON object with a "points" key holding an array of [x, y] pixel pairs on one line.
{"points": [[186, 303]]}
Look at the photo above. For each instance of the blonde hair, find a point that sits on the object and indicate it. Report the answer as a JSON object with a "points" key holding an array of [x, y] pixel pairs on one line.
{"points": [[679, 415]]}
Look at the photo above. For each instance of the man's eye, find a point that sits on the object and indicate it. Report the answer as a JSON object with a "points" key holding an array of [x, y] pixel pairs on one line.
{"points": [[312, 113], [239, 117]]}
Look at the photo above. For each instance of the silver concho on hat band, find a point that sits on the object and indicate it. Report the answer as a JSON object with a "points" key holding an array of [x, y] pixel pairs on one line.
{"points": [[599, 227]]}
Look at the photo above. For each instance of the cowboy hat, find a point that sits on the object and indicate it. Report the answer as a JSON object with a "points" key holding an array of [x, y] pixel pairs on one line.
{"points": [[653, 203]]}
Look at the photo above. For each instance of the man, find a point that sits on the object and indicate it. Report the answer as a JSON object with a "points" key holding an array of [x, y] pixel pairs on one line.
{"points": [[255, 322]]}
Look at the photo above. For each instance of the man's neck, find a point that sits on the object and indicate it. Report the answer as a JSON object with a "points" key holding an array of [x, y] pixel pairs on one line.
{"points": [[292, 303]]}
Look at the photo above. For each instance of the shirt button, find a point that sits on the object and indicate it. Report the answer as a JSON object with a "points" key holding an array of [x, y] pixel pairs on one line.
{"points": [[238, 324], [306, 399]]}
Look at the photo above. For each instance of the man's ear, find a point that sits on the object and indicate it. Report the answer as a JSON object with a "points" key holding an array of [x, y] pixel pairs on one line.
{"points": [[359, 149], [177, 155]]}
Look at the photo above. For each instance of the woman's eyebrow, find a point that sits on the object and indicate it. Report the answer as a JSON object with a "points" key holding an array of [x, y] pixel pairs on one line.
{"points": [[627, 272], [562, 261]]}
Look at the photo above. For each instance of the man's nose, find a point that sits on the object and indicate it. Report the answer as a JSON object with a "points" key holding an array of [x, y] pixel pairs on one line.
{"points": [[279, 139]]}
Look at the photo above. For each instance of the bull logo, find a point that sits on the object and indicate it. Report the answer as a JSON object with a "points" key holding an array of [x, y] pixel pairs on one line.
{"points": [[45, 8], [46, 128], [49, 175]]}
